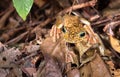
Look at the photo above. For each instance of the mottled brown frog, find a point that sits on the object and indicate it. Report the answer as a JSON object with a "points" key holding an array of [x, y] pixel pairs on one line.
{"points": [[77, 30]]}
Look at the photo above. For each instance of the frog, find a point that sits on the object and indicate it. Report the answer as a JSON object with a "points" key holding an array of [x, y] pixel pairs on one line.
{"points": [[77, 30]]}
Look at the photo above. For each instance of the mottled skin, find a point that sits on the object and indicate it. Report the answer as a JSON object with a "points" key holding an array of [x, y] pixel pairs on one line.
{"points": [[74, 31]]}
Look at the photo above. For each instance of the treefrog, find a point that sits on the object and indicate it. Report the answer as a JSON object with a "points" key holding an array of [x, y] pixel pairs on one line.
{"points": [[77, 30]]}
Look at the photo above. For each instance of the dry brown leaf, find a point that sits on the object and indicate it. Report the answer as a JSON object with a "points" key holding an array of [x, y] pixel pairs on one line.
{"points": [[73, 73], [95, 68], [59, 50], [15, 72], [49, 68], [86, 71], [99, 68], [32, 48], [56, 49], [3, 73], [115, 43], [115, 72], [30, 70], [8, 56]]}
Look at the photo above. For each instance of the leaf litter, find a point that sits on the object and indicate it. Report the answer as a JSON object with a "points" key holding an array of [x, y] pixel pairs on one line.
{"points": [[27, 50]]}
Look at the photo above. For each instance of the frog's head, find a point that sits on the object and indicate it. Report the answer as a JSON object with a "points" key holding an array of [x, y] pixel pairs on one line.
{"points": [[73, 30]]}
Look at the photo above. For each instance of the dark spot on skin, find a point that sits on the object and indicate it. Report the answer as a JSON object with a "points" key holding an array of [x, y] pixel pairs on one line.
{"points": [[112, 74], [82, 73], [4, 59]]}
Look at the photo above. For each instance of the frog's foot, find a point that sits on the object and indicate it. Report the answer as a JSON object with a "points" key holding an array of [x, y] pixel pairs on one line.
{"points": [[55, 33], [87, 60]]}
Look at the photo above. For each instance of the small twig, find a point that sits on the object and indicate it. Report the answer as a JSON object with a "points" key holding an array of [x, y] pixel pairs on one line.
{"points": [[106, 20], [17, 39], [42, 24], [75, 7], [111, 25], [78, 6], [33, 54], [100, 22], [5, 16], [26, 72], [6, 36]]}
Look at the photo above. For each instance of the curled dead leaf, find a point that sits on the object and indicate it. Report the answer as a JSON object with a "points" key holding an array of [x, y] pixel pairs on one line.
{"points": [[115, 43], [55, 49], [49, 67], [99, 68]]}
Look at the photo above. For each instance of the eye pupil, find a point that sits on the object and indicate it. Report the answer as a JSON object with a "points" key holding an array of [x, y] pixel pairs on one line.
{"points": [[82, 34], [63, 29]]}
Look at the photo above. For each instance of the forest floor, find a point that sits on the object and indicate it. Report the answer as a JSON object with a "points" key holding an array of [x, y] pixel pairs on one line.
{"points": [[28, 50]]}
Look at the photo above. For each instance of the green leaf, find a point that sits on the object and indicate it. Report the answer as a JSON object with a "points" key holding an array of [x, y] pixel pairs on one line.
{"points": [[23, 7]]}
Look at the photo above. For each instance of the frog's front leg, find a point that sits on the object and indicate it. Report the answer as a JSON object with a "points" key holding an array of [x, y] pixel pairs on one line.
{"points": [[88, 59], [82, 48], [86, 53], [93, 41], [55, 33]]}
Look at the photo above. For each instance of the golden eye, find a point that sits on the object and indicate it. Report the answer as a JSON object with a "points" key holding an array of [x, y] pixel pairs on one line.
{"points": [[82, 34]]}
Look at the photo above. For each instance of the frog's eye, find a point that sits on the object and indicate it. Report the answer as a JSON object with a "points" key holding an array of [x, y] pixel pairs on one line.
{"points": [[63, 29], [82, 34]]}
